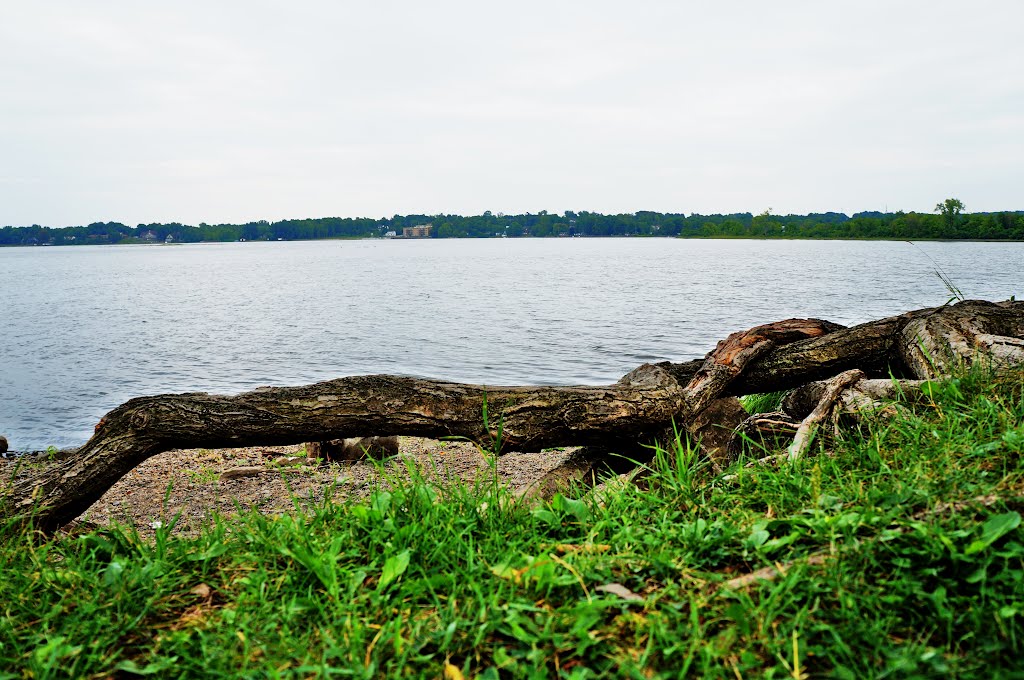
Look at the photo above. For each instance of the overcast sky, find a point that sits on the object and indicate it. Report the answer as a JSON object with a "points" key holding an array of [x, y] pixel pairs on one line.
{"points": [[229, 112]]}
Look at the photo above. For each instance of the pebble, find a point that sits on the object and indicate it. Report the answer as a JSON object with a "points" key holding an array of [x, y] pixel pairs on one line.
{"points": [[139, 497], [289, 460], [239, 472]]}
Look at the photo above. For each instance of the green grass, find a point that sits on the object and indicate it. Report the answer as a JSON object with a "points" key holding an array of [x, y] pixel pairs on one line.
{"points": [[901, 550], [766, 402]]}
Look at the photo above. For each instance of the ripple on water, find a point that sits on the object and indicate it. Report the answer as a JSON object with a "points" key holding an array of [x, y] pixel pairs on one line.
{"points": [[89, 327]]}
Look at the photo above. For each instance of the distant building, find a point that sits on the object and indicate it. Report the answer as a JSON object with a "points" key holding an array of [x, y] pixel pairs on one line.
{"points": [[390, 234], [419, 231]]}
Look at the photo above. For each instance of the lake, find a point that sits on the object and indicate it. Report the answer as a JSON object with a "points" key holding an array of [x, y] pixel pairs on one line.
{"points": [[85, 328]]}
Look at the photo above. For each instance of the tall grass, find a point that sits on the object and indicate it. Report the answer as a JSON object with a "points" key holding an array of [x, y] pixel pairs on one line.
{"points": [[897, 552], [955, 294], [766, 402]]}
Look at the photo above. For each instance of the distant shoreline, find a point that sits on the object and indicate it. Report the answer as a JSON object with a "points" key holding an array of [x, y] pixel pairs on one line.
{"points": [[948, 222], [893, 239]]}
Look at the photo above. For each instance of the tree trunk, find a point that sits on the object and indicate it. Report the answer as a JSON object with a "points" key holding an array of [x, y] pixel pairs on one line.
{"points": [[642, 406], [502, 418], [933, 345]]}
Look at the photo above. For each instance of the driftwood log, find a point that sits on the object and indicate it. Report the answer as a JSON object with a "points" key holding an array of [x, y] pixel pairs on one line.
{"points": [[644, 406]]}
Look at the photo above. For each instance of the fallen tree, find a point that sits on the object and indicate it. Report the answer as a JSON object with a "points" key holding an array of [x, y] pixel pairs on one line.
{"points": [[698, 397]]}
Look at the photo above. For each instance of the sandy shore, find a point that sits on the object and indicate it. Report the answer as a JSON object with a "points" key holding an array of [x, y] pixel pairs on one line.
{"points": [[192, 484]]}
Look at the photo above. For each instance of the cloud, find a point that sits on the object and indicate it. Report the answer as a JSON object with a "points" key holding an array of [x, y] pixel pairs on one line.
{"points": [[233, 111]]}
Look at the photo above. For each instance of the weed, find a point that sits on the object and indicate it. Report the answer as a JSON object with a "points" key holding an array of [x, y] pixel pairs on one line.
{"points": [[204, 474], [956, 295]]}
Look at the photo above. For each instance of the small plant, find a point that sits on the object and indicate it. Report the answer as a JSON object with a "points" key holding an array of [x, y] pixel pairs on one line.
{"points": [[496, 437], [955, 293], [205, 474]]}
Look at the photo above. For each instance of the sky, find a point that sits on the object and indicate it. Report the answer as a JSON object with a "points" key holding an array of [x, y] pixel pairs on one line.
{"points": [[222, 112]]}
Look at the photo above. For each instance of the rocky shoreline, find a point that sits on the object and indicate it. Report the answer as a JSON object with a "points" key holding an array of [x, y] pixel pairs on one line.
{"points": [[188, 486]]}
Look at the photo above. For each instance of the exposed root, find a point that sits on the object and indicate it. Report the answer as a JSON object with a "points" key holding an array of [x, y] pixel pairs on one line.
{"points": [[578, 470], [824, 410], [766, 430]]}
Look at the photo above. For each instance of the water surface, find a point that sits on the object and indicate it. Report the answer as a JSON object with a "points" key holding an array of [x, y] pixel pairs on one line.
{"points": [[85, 328]]}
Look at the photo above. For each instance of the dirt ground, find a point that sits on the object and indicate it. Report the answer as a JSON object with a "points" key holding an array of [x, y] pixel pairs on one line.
{"points": [[191, 484]]}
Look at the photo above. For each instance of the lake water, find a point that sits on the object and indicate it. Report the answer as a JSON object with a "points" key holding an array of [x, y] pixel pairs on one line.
{"points": [[83, 329]]}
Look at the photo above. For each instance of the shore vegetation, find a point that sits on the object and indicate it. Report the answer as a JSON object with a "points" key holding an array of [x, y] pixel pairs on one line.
{"points": [[950, 221], [896, 551]]}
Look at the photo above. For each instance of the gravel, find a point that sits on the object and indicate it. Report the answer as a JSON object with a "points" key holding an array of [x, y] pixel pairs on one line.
{"points": [[193, 484]]}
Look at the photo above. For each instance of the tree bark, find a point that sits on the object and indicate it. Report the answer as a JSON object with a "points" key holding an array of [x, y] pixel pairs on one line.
{"points": [[822, 411], [868, 395], [642, 406], [734, 354], [502, 418], [765, 431], [933, 345]]}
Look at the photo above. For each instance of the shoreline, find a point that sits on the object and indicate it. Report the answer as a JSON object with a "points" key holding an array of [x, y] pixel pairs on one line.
{"points": [[693, 237], [189, 486]]}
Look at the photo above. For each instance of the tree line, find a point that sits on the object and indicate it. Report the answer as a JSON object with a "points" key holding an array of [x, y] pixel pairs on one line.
{"points": [[949, 222]]}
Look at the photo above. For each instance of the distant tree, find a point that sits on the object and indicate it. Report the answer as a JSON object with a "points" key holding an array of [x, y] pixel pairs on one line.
{"points": [[950, 210], [765, 224], [951, 221]]}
